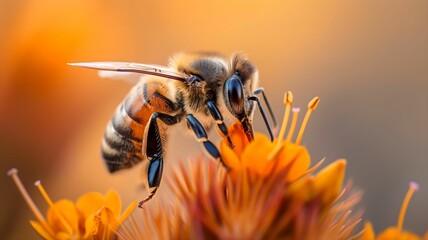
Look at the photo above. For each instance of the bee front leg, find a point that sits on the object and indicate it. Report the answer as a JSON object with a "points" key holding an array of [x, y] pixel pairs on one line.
{"points": [[262, 112], [201, 136], [215, 113], [154, 138], [272, 115]]}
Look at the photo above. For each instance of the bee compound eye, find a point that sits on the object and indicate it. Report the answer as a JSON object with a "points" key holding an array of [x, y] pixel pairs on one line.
{"points": [[234, 92]]}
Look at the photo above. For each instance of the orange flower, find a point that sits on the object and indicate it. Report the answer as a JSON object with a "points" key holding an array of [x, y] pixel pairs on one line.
{"points": [[268, 192], [395, 232], [281, 154], [252, 156], [92, 216]]}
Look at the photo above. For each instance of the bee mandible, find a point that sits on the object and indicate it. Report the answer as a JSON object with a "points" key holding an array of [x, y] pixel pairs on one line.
{"points": [[203, 89]]}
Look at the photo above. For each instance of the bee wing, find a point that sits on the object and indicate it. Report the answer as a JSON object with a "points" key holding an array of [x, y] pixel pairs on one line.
{"points": [[127, 67], [130, 77]]}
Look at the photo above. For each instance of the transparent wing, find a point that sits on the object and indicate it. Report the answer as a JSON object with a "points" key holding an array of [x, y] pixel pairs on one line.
{"points": [[130, 77], [155, 70]]}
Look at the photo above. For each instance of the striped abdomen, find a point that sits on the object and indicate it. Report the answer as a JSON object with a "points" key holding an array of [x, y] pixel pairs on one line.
{"points": [[124, 136]]}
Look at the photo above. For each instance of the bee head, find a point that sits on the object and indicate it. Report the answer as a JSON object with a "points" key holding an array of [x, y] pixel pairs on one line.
{"points": [[239, 86], [206, 72]]}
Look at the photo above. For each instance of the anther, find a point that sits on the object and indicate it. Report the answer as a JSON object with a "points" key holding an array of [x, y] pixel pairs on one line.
{"points": [[288, 100], [313, 104]]}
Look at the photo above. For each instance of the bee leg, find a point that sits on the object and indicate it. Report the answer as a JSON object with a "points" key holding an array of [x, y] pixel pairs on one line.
{"points": [[154, 150], [201, 136], [272, 115], [215, 113], [262, 111]]}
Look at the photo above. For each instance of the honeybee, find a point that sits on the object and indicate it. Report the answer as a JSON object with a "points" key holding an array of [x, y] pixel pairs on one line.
{"points": [[203, 89]]}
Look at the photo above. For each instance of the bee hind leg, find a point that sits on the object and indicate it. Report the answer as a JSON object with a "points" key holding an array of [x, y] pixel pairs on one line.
{"points": [[154, 176], [201, 136], [154, 150]]}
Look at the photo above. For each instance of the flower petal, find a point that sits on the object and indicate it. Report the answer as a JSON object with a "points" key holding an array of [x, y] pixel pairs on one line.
{"points": [[41, 230], [328, 181], [298, 156], [229, 157], [394, 233], [108, 218], [90, 203], [254, 156], [113, 202], [238, 137], [91, 225], [368, 232], [69, 212]]}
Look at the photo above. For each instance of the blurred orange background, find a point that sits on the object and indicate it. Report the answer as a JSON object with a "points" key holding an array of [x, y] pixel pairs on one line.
{"points": [[367, 60]]}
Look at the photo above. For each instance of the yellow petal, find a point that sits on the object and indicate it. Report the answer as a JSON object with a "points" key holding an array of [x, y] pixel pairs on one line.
{"points": [[368, 232], [298, 156], [108, 218], [394, 233], [113, 202], [238, 137], [41, 230], [65, 236], [90, 203], [69, 212], [302, 190], [91, 225], [101, 223], [229, 157], [255, 154], [328, 182]]}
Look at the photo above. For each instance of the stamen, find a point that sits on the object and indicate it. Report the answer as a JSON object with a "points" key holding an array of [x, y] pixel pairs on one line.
{"points": [[288, 100], [413, 186], [293, 123], [14, 174], [278, 147], [52, 205], [311, 107]]}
